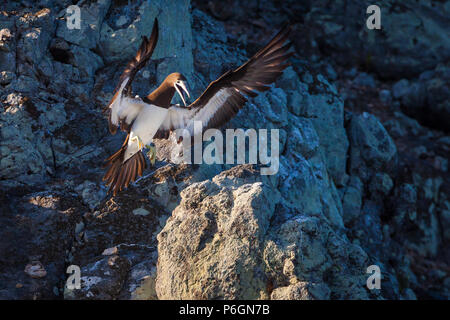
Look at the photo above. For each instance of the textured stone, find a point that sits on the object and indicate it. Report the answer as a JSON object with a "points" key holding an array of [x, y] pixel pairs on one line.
{"points": [[336, 205], [302, 291], [102, 279], [385, 96], [91, 19], [427, 99], [371, 146], [175, 37], [91, 193], [365, 80], [217, 231], [229, 227], [326, 111], [19, 153], [400, 88], [6, 77], [342, 32], [352, 200], [37, 231]]}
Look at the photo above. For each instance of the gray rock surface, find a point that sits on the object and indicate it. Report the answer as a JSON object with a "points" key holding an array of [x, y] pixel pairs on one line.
{"points": [[427, 99], [372, 149], [221, 242], [215, 251], [36, 229], [340, 28], [175, 39], [360, 181], [91, 21]]}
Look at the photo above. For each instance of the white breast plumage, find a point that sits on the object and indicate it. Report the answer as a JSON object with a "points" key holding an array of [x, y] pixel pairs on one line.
{"points": [[145, 126]]}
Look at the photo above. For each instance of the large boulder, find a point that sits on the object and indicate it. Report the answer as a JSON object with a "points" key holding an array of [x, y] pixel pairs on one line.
{"points": [[211, 245], [231, 238], [116, 247]]}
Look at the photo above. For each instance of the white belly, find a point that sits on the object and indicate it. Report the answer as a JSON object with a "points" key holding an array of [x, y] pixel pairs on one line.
{"points": [[145, 126]]}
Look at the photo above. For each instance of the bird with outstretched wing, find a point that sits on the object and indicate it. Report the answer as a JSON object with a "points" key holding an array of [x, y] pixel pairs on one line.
{"points": [[155, 117]]}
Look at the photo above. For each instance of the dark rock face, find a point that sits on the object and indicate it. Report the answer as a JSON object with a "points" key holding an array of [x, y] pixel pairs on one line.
{"points": [[127, 227], [340, 29], [427, 98], [37, 228], [372, 149], [361, 182]]}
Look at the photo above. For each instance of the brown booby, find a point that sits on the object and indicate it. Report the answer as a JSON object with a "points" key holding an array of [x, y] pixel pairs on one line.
{"points": [[155, 117]]}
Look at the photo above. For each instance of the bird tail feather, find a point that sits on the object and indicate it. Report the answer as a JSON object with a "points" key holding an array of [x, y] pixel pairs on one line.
{"points": [[119, 173]]}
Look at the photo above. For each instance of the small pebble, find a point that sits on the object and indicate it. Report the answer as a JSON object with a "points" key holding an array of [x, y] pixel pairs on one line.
{"points": [[110, 251], [35, 270], [140, 212]]}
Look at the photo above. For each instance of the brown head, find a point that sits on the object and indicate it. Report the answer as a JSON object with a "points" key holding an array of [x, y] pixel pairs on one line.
{"points": [[174, 82]]}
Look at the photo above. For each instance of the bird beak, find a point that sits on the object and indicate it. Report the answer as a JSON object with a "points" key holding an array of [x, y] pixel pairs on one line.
{"points": [[182, 85]]}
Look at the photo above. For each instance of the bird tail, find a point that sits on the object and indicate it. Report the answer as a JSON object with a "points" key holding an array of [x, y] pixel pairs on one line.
{"points": [[119, 174]]}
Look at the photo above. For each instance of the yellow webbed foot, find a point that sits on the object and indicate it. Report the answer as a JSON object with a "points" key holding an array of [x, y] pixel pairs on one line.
{"points": [[139, 142], [151, 153]]}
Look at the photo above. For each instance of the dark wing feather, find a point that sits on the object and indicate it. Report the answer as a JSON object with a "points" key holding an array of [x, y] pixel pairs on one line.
{"points": [[143, 54], [224, 97]]}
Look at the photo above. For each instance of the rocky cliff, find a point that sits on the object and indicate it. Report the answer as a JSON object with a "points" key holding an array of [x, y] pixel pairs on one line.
{"points": [[363, 171]]}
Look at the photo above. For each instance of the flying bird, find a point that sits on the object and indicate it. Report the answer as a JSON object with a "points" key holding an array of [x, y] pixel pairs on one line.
{"points": [[154, 116]]}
